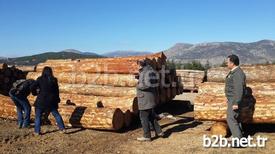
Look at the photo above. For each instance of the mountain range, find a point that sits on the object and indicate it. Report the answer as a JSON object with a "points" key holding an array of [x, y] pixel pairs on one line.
{"points": [[216, 52], [213, 53]]}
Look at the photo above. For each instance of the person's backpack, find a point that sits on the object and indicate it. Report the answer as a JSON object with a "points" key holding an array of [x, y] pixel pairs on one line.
{"points": [[17, 86]]}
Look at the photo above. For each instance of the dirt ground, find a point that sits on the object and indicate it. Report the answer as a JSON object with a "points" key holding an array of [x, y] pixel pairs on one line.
{"points": [[183, 134]]}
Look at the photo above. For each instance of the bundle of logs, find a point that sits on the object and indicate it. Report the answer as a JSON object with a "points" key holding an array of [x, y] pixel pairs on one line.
{"points": [[258, 105], [26, 68], [101, 93], [7, 76], [191, 79]]}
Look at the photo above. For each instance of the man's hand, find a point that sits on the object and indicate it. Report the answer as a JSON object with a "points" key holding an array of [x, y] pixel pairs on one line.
{"points": [[235, 107]]}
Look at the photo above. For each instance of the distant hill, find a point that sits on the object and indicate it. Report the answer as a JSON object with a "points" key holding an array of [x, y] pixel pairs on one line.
{"points": [[79, 52], [125, 53], [216, 52], [39, 58]]}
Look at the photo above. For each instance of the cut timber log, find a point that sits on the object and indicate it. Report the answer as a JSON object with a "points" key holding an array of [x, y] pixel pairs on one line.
{"points": [[76, 116], [95, 118], [219, 128], [128, 118], [119, 80], [113, 68], [124, 103], [97, 90], [256, 88], [254, 73], [7, 109]]}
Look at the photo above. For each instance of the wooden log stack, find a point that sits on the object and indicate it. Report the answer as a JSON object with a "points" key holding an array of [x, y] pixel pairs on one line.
{"points": [[258, 105], [26, 68], [8, 75], [125, 65], [101, 93], [254, 73], [78, 116], [191, 79]]}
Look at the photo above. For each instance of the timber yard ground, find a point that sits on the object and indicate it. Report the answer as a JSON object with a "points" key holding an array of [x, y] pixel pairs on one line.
{"points": [[182, 135]]}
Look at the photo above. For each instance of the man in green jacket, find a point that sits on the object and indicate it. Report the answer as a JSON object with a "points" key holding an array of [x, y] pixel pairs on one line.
{"points": [[234, 92]]}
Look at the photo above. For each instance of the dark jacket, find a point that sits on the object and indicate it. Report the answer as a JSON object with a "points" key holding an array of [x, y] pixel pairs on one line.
{"points": [[146, 88], [48, 93], [235, 86], [21, 88]]}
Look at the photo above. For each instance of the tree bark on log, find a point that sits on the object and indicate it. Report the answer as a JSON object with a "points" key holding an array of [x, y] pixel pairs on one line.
{"points": [[119, 80], [7, 109], [254, 73], [256, 88], [95, 118], [111, 68], [124, 103], [128, 115], [97, 90]]}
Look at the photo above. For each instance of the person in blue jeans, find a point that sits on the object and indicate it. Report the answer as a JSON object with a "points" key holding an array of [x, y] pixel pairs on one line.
{"points": [[19, 93], [47, 99]]}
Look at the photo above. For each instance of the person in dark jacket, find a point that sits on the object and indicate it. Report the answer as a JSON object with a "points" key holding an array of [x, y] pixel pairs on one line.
{"points": [[47, 99], [19, 92], [146, 95], [234, 91]]}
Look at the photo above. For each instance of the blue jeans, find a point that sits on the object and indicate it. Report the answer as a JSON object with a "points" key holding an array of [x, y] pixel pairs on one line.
{"points": [[22, 107], [55, 113]]}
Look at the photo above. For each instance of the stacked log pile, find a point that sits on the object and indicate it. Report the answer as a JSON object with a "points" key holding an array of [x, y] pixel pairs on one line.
{"points": [[191, 79], [26, 68], [7, 76], [254, 73], [101, 93], [258, 105], [78, 116]]}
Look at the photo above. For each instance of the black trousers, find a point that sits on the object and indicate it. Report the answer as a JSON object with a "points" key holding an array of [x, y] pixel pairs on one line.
{"points": [[147, 117]]}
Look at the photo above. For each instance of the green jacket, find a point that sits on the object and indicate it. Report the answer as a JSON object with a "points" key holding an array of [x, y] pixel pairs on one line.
{"points": [[235, 85]]}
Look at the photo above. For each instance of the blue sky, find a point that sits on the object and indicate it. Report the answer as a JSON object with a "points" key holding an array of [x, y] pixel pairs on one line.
{"points": [[34, 26]]}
